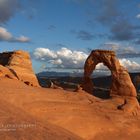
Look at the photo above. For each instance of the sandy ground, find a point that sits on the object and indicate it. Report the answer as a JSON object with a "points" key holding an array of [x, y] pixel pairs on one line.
{"points": [[56, 114]]}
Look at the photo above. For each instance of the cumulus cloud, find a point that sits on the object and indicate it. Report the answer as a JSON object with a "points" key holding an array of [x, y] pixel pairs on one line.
{"points": [[68, 59], [8, 9], [22, 39], [44, 54], [63, 58], [7, 36], [130, 65], [56, 62]]}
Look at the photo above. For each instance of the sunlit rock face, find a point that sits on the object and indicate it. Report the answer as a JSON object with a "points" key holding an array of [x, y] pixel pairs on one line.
{"points": [[121, 81], [18, 65]]}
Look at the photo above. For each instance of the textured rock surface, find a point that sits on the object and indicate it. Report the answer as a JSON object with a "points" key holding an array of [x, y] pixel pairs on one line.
{"points": [[5, 72], [17, 65], [121, 81], [79, 113]]}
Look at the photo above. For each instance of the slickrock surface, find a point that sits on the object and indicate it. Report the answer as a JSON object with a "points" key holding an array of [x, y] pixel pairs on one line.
{"points": [[78, 113], [121, 81], [17, 65]]}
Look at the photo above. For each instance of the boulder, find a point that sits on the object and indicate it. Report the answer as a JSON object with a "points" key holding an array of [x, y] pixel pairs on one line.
{"points": [[18, 65]]}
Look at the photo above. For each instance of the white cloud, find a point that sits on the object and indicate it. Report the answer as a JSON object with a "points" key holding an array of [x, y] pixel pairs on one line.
{"points": [[130, 65], [22, 39], [66, 58], [138, 16], [64, 52], [101, 66], [4, 34], [63, 58], [7, 36], [44, 54], [56, 62]]}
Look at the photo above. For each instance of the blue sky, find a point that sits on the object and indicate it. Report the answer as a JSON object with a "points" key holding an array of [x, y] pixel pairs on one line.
{"points": [[59, 34]]}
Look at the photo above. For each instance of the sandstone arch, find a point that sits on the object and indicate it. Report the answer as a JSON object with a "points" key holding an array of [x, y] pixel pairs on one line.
{"points": [[121, 81]]}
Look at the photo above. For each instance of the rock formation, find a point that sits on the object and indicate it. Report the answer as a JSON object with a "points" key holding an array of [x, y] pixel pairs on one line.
{"points": [[137, 82], [17, 65], [121, 81]]}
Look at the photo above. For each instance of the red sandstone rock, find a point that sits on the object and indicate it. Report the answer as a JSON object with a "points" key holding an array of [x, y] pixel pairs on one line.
{"points": [[18, 64], [121, 81], [5, 72]]}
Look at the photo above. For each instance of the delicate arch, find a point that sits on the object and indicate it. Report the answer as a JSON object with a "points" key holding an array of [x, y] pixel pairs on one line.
{"points": [[121, 81], [118, 72]]}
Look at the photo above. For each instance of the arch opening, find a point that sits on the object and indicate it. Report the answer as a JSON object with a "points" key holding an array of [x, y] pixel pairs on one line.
{"points": [[101, 78], [95, 58]]}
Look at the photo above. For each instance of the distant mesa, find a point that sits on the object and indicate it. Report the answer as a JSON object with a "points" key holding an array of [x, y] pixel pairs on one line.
{"points": [[121, 81], [18, 65]]}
